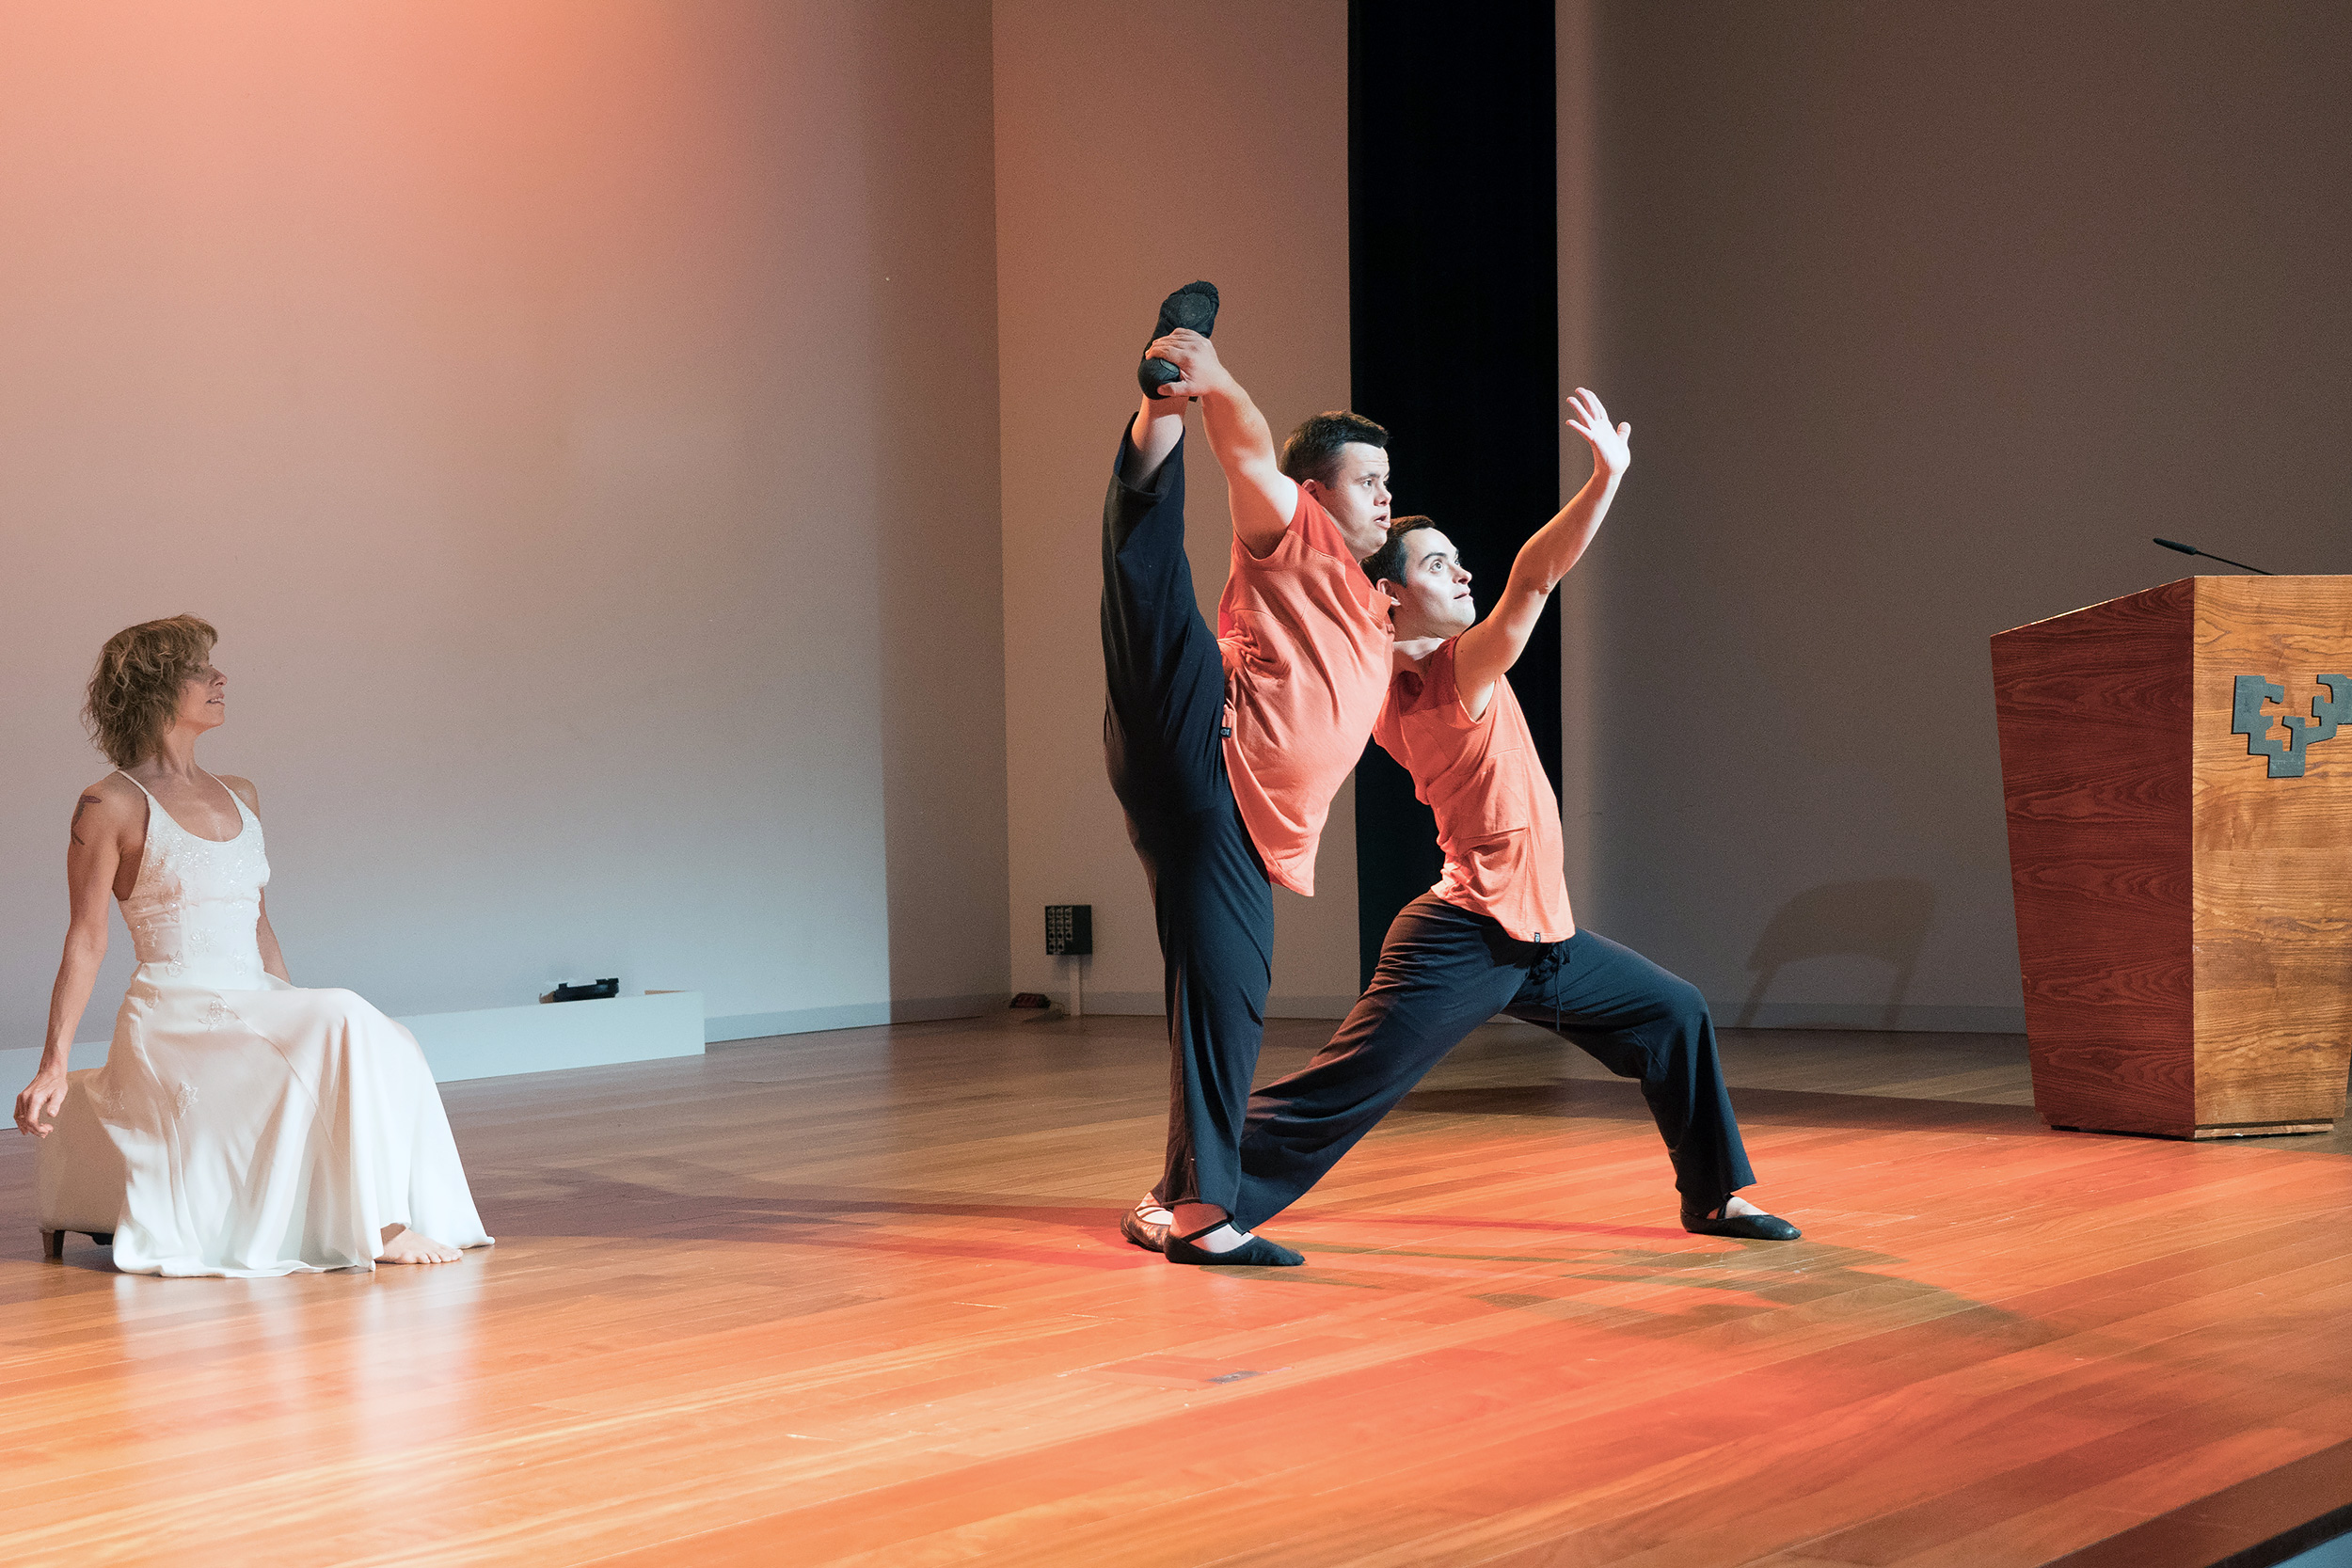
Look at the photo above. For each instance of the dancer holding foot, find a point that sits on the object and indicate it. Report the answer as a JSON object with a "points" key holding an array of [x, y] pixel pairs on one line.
{"points": [[1495, 933], [1224, 750], [240, 1126]]}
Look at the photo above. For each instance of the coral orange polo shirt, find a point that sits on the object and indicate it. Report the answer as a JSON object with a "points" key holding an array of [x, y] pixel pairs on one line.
{"points": [[1497, 820], [1305, 640]]}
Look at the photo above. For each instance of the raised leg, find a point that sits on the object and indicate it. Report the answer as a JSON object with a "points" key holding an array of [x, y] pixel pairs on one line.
{"points": [[1164, 742]]}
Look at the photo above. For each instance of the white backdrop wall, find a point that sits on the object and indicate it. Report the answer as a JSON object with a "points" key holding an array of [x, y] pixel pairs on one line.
{"points": [[1139, 148], [584, 425], [579, 421], [1927, 318]]}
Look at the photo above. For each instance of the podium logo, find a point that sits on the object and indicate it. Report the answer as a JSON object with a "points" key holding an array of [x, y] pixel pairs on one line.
{"points": [[2247, 718]]}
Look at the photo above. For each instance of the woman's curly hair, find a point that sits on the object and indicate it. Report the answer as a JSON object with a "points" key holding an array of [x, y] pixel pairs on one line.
{"points": [[135, 691]]}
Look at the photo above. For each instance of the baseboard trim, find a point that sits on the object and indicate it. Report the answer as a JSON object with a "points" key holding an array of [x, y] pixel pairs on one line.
{"points": [[1148, 1004], [493, 1042], [1332, 1008], [497, 1043], [1771, 1015], [1908, 1019], [854, 1015], [18, 1067], [501, 1040]]}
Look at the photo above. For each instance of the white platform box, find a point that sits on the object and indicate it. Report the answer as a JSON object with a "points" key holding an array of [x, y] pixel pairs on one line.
{"points": [[544, 1037], [550, 1035]]}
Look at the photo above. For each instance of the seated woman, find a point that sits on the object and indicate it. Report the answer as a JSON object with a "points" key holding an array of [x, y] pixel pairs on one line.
{"points": [[252, 1127]]}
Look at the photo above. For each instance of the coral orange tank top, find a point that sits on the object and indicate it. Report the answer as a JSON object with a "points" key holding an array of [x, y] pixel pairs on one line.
{"points": [[1305, 640], [1498, 819]]}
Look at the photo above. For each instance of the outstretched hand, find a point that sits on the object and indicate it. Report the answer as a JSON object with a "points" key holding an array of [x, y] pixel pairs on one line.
{"points": [[1495, 643], [1612, 450], [1204, 374], [44, 1096]]}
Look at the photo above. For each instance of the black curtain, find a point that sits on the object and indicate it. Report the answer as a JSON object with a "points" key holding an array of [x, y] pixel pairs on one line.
{"points": [[1454, 329]]}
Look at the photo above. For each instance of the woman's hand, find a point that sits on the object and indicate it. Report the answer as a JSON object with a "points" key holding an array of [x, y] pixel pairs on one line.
{"points": [[44, 1096]]}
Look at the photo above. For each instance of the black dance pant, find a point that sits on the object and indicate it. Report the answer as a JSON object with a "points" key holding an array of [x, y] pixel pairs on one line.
{"points": [[1163, 736], [1443, 971]]}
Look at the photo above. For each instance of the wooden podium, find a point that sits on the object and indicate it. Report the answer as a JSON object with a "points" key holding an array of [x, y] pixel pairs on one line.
{"points": [[2180, 845]]}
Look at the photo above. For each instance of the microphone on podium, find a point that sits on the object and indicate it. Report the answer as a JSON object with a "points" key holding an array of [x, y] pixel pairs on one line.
{"points": [[2191, 549]]}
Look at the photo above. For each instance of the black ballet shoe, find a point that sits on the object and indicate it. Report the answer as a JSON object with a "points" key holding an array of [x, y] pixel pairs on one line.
{"points": [[1743, 1228], [1193, 306], [1255, 1253], [1149, 1237]]}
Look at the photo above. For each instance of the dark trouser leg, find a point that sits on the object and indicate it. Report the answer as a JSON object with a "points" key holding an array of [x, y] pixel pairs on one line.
{"points": [[1442, 972], [1163, 744], [1641, 1021], [1163, 727], [1215, 913]]}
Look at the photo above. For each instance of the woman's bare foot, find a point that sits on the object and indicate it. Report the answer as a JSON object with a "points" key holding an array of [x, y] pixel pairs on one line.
{"points": [[404, 1246]]}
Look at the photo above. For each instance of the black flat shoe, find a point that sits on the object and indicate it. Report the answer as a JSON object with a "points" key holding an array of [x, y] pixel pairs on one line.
{"points": [[1193, 306], [1743, 1228], [1255, 1253], [1149, 1237]]}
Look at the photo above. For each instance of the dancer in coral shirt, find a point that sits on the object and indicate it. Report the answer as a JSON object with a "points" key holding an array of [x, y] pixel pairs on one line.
{"points": [[1495, 934], [1224, 750]]}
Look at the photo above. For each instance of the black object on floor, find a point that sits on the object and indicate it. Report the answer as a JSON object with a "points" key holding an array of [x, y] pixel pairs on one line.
{"points": [[1744, 1227], [1256, 1253]]}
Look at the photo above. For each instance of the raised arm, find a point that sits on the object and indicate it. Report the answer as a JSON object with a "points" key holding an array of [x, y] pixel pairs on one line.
{"points": [[1493, 645], [1264, 495], [104, 823]]}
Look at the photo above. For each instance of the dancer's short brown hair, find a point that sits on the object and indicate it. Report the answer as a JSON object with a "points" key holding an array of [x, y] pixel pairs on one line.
{"points": [[1313, 448], [135, 691], [1387, 563]]}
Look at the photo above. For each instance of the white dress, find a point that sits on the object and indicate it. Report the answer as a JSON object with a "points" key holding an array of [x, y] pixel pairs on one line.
{"points": [[249, 1127]]}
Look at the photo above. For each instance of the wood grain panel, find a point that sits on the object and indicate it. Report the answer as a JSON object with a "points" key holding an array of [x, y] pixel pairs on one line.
{"points": [[2095, 717], [2273, 862]]}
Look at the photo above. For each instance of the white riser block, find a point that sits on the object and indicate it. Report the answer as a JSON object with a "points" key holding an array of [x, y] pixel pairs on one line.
{"points": [[552, 1036], [490, 1043]]}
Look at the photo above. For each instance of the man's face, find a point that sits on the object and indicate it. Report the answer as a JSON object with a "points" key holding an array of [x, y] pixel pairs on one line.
{"points": [[1434, 600], [1356, 497]]}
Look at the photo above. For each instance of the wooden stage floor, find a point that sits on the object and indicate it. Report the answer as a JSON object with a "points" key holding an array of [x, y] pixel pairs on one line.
{"points": [[857, 1298]]}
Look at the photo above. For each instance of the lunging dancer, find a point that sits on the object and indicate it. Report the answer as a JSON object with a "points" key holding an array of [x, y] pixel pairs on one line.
{"points": [[1224, 750], [1495, 933]]}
